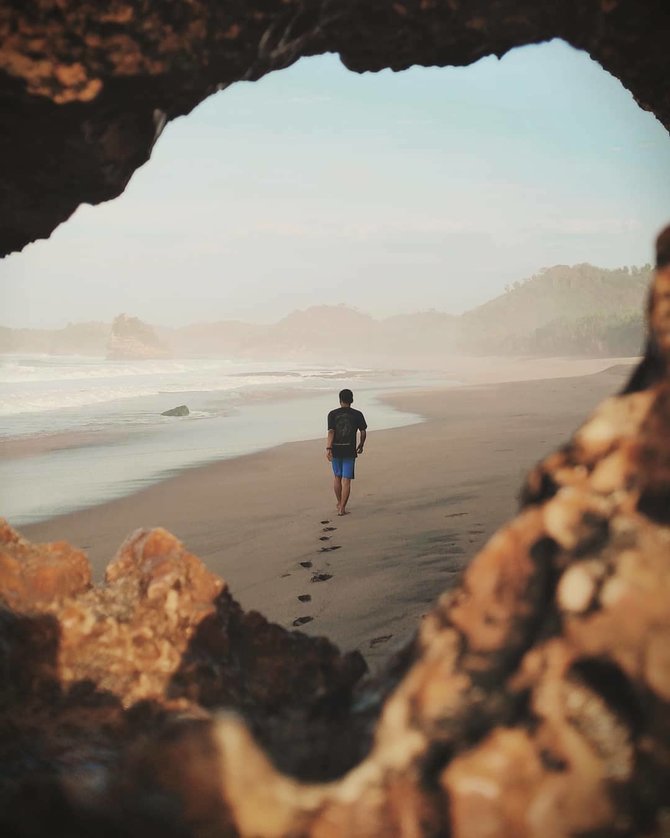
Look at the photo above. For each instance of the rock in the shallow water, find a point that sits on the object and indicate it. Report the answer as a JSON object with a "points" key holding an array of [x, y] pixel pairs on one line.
{"points": [[180, 410]]}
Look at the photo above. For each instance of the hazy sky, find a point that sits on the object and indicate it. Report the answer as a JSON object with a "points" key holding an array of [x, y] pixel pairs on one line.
{"points": [[431, 188]]}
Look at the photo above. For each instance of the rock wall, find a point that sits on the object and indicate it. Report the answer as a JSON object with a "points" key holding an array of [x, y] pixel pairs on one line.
{"points": [[534, 701], [85, 91]]}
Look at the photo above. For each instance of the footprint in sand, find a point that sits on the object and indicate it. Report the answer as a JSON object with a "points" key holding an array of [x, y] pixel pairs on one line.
{"points": [[325, 522], [306, 564], [377, 641], [324, 538], [284, 575], [305, 598], [300, 621], [455, 514], [329, 549], [321, 577], [328, 529]]}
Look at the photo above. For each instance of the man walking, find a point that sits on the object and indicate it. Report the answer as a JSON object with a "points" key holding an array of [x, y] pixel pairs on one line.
{"points": [[344, 423]]}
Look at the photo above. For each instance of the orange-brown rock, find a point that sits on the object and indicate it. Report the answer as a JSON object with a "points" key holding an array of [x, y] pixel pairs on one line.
{"points": [[87, 88], [42, 573], [534, 701], [102, 682]]}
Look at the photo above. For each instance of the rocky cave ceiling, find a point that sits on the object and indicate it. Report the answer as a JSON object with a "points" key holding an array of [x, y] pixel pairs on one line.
{"points": [[85, 88]]}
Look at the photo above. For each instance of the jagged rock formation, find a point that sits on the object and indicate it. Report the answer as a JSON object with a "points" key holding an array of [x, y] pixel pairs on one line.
{"points": [[85, 92], [132, 340], [534, 700], [104, 687]]}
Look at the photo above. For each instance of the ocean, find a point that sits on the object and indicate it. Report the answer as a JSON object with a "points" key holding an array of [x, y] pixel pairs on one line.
{"points": [[76, 431]]}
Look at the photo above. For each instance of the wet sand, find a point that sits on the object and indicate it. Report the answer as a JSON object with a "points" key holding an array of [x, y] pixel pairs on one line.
{"points": [[425, 499]]}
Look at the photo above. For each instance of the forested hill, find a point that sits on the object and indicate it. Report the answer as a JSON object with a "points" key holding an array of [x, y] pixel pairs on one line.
{"points": [[579, 309], [563, 292]]}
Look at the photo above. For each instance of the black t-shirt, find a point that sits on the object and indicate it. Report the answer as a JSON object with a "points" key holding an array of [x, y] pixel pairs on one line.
{"points": [[345, 421]]}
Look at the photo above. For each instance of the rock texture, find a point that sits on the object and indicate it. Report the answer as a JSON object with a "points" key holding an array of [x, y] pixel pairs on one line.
{"points": [[107, 693], [534, 701], [85, 91], [180, 410], [132, 340]]}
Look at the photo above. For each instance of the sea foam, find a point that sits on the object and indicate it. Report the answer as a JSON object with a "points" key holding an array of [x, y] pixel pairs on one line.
{"points": [[41, 384]]}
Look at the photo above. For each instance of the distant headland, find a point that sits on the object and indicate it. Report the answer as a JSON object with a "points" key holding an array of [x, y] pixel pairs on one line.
{"points": [[578, 310]]}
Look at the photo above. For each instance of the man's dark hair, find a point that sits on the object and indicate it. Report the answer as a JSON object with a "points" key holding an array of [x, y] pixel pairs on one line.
{"points": [[346, 396], [663, 249]]}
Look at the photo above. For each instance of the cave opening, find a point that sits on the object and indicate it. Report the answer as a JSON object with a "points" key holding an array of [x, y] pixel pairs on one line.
{"points": [[281, 193]]}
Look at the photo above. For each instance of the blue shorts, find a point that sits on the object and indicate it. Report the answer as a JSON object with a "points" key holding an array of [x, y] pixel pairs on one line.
{"points": [[344, 467]]}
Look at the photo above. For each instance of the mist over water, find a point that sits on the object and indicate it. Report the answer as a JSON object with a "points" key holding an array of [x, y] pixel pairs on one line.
{"points": [[44, 384]]}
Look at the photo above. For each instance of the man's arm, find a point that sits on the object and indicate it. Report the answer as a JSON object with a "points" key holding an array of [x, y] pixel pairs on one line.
{"points": [[329, 444], [364, 435]]}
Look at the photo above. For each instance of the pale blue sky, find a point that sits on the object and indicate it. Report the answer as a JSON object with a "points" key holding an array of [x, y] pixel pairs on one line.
{"points": [[431, 188]]}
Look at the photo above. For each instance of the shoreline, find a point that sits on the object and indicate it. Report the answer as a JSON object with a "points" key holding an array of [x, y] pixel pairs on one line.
{"points": [[157, 448], [426, 498], [24, 447], [89, 468]]}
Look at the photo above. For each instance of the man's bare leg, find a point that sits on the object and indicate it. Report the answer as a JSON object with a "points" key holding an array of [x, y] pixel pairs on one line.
{"points": [[337, 488], [344, 497]]}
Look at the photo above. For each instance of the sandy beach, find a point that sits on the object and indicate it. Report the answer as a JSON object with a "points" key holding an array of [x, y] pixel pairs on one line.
{"points": [[426, 498]]}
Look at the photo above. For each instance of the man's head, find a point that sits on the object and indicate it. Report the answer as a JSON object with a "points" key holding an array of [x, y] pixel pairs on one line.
{"points": [[663, 249], [346, 397]]}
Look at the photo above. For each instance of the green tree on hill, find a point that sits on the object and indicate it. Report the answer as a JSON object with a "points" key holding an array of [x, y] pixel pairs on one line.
{"points": [[563, 310]]}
